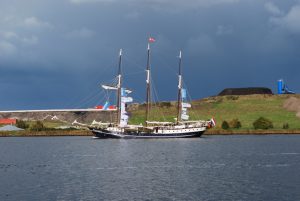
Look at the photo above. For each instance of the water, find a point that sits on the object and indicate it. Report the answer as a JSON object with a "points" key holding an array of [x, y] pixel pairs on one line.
{"points": [[210, 168]]}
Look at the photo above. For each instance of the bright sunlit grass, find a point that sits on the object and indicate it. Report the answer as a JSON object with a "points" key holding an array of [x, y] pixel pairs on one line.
{"points": [[225, 108]]}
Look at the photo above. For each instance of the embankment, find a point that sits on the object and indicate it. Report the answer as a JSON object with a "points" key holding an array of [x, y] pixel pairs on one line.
{"points": [[252, 132], [50, 133], [64, 116], [279, 109]]}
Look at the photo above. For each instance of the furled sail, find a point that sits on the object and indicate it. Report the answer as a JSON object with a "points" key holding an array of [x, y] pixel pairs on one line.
{"points": [[184, 105], [124, 99], [109, 87]]}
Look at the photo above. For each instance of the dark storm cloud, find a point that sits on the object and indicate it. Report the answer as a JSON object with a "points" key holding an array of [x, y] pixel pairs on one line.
{"points": [[52, 52]]}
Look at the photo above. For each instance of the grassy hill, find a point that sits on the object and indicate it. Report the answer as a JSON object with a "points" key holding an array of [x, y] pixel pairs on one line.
{"points": [[245, 108]]}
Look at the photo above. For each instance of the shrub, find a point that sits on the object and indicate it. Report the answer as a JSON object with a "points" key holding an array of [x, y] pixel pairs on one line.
{"points": [[165, 104], [285, 126], [142, 106], [38, 126], [262, 123], [225, 125], [235, 123], [219, 100], [232, 97], [22, 124]]}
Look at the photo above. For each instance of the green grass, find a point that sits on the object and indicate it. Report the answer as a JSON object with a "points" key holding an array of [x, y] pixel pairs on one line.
{"points": [[245, 108], [48, 123]]}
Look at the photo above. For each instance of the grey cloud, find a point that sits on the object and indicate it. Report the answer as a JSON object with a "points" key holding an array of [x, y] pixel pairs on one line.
{"points": [[33, 22], [133, 15], [191, 3], [224, 30], [14, 21], [81, 33], [7, 48], [273, 9], [89, 1], [15, 38], [8, 35], [33, 40], [162, 4], [289, 21], [203, 44], [76, 42]]}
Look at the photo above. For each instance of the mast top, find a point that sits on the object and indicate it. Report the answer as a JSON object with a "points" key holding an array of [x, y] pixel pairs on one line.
{"points": [[150, 40], [120, 52], [180, 54]]}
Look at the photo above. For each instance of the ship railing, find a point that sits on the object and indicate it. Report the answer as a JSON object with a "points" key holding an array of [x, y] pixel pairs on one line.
{"points": [[156, 123]]}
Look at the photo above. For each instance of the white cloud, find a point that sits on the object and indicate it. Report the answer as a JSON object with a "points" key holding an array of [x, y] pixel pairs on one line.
{"points": [[30, 40], [194, 2], [159, 4], [7, 48], [89, 1], [36, 23], [290, 21], [224, 30], [133, 15], [12, 37], [273, 9], [8, 35], [81, 33], [180, 5]]}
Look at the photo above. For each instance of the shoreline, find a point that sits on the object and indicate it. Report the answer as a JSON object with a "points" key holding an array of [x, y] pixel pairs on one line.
{"points": [[62, 133], [52, 133], [251, 132]]}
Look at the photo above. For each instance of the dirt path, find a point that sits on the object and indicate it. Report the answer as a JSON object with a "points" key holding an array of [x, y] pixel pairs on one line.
{"points": [[293, 104]]}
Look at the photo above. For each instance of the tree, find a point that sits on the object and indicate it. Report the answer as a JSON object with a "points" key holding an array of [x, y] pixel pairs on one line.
{"points": [[38, 126], [285, 126], [22, 124], [235, 123], [262, 123], [225, 125]]}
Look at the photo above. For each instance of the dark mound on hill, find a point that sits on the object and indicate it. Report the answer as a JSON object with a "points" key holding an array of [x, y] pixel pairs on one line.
{"points": [[245, 91]]}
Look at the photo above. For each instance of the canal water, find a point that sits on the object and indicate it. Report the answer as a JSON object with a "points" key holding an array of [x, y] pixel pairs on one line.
{"points": [[248, 167]]}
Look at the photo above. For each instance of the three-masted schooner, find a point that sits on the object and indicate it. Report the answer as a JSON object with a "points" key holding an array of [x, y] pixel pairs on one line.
{"points": [[182, 128]]}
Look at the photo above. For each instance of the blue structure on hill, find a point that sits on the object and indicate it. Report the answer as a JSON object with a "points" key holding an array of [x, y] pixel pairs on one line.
{"points": [[282, 88]]}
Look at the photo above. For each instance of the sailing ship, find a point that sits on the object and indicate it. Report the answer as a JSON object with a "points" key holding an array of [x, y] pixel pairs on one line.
{"points": [[181, 128]]}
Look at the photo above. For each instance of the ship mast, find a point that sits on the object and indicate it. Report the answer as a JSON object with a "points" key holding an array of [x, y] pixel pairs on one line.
{"points": [[119, 88], [148, 93], [179, 101]]}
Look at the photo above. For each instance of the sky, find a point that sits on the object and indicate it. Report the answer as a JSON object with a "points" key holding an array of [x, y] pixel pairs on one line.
{"points": [[56, 53]]}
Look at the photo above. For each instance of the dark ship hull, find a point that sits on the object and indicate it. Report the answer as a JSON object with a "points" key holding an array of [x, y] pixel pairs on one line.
{"points": [[102, 134]]}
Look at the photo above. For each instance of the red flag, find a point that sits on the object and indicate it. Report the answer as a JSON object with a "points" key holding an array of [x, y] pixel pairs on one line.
{"points": [[151, 40]]}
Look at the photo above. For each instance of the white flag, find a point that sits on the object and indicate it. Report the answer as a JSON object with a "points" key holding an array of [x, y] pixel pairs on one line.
{"points": [[186, 105], [126, 99], [185, 117]]}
